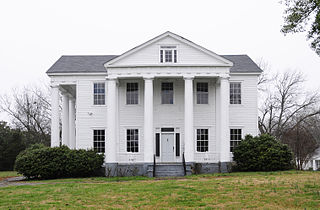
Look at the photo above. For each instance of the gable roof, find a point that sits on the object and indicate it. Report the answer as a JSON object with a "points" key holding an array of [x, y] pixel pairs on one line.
{"points": [[95, 64], [225, 61]]}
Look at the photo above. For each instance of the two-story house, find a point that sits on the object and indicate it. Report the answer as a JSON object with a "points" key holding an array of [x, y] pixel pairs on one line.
{"points": [[162, 100]]}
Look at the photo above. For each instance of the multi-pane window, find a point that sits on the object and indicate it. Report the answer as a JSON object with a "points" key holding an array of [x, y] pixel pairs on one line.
{"points": [[202, 93], [168, 54], [99, 93], [235, 93], [202, 140], [132, 140], [132, 93], [167, 93], [235, 138], [99, 140]]}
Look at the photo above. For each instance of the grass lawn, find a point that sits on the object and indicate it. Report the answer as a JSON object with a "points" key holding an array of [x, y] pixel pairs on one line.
{"points": [[4, 174], [289, 189]]}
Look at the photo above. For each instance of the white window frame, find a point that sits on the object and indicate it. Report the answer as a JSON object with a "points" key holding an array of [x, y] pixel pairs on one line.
{"points": [[241, 92], [139, 139], [93, 94], [171, 48], [126, 83], [105, 137], [173, 91], [195, 139], [196, 92], [235, 127]]}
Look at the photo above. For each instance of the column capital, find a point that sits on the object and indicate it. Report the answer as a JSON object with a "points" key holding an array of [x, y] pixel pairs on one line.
{"points": [[188, 77], [54, 85], [148, 77], [112, 78], [224, 77]]}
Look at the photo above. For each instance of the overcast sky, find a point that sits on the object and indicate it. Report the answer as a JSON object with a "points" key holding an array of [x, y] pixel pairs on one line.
{"points": [[34, 34]]}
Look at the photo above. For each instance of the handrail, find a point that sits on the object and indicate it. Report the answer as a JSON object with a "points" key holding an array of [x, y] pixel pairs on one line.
{"points": [[184, 164], [154, 166]]}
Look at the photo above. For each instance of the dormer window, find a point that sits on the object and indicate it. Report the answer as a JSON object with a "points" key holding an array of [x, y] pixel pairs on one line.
{"points": [[168, 54]]}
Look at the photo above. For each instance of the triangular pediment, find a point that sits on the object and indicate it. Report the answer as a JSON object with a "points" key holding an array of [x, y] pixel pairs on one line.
{"points": [[188, 53]]}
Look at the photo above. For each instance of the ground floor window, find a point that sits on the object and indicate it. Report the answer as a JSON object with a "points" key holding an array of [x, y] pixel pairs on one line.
{"points": [[317, 163], [202, 140], [235, 138], [132, 140], [99, 140]]}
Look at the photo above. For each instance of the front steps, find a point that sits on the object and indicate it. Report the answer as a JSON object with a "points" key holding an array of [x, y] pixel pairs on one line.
{"points": [[169, 170]]}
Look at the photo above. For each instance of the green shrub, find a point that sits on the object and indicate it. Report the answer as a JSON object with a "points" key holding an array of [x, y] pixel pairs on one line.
{"points": [[262, 153], [40, 162]]}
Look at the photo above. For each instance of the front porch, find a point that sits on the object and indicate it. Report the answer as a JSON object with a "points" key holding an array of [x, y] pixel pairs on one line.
{"points": [[165, 130]]}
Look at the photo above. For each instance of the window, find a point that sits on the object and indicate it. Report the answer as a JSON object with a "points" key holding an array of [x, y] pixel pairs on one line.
{"points": [[99, 93], [132, 140], [235, 138], [202, 93], [168, 54], [202, 140], [235, 93], [99, 140], [132, 93], [167, 93]]}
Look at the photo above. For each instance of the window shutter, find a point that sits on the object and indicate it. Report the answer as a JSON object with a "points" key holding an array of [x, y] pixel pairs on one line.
{"points": [[177, 144], [175, 56], [161, 56], [158, 144]]}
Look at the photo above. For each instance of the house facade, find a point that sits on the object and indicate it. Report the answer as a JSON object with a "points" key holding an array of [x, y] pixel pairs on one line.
{"points": [[167, 99]]}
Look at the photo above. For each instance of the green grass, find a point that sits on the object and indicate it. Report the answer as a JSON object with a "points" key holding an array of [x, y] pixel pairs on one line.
{"points": [[4, 174], [270, 190]]}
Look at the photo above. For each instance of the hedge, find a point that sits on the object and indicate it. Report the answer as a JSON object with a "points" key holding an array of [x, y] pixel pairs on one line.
{"points": [[262, 153], [40, 162]]}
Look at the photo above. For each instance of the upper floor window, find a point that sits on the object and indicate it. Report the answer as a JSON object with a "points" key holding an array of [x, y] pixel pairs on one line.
{"points": [[202, 93], [167, 93], [99, 93], [235, 93], [132, 140], [99, 140], [168, 54], [202, 140], [132, 93], [235, 138]]}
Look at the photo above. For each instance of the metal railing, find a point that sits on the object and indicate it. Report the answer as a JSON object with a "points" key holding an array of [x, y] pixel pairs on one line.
{"points": [[154, 166], [184, 164]]}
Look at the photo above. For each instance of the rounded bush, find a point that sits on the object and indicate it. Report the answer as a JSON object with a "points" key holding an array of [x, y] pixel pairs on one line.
{"points": [[40, 162], [262, 153]]}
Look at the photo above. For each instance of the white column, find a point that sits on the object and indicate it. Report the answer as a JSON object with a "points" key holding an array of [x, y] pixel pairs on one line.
{"points": [[224, 120], [111, 150], [55, 139], [314, 166], [72, 125], [189, 140], [148, 120], [65, 119]]}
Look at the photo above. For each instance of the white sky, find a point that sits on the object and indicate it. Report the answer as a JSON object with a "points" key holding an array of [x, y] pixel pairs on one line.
{"points": [[34, 34]]}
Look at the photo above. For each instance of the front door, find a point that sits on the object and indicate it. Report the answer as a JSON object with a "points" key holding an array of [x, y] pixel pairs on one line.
{"points": [[167, 147]]}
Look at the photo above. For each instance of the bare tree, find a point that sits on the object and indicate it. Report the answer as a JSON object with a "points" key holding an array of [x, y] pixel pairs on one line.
{"points": [[284, 102], [30, 111]]}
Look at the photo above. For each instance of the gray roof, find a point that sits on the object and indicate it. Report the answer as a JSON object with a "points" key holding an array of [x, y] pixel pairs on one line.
{"points": [[80, 63], [242, 64], [95, 63]]}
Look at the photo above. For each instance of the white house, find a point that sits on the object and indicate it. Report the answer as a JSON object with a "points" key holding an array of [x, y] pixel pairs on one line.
{"points": [[167, 97], [314, 161]]}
